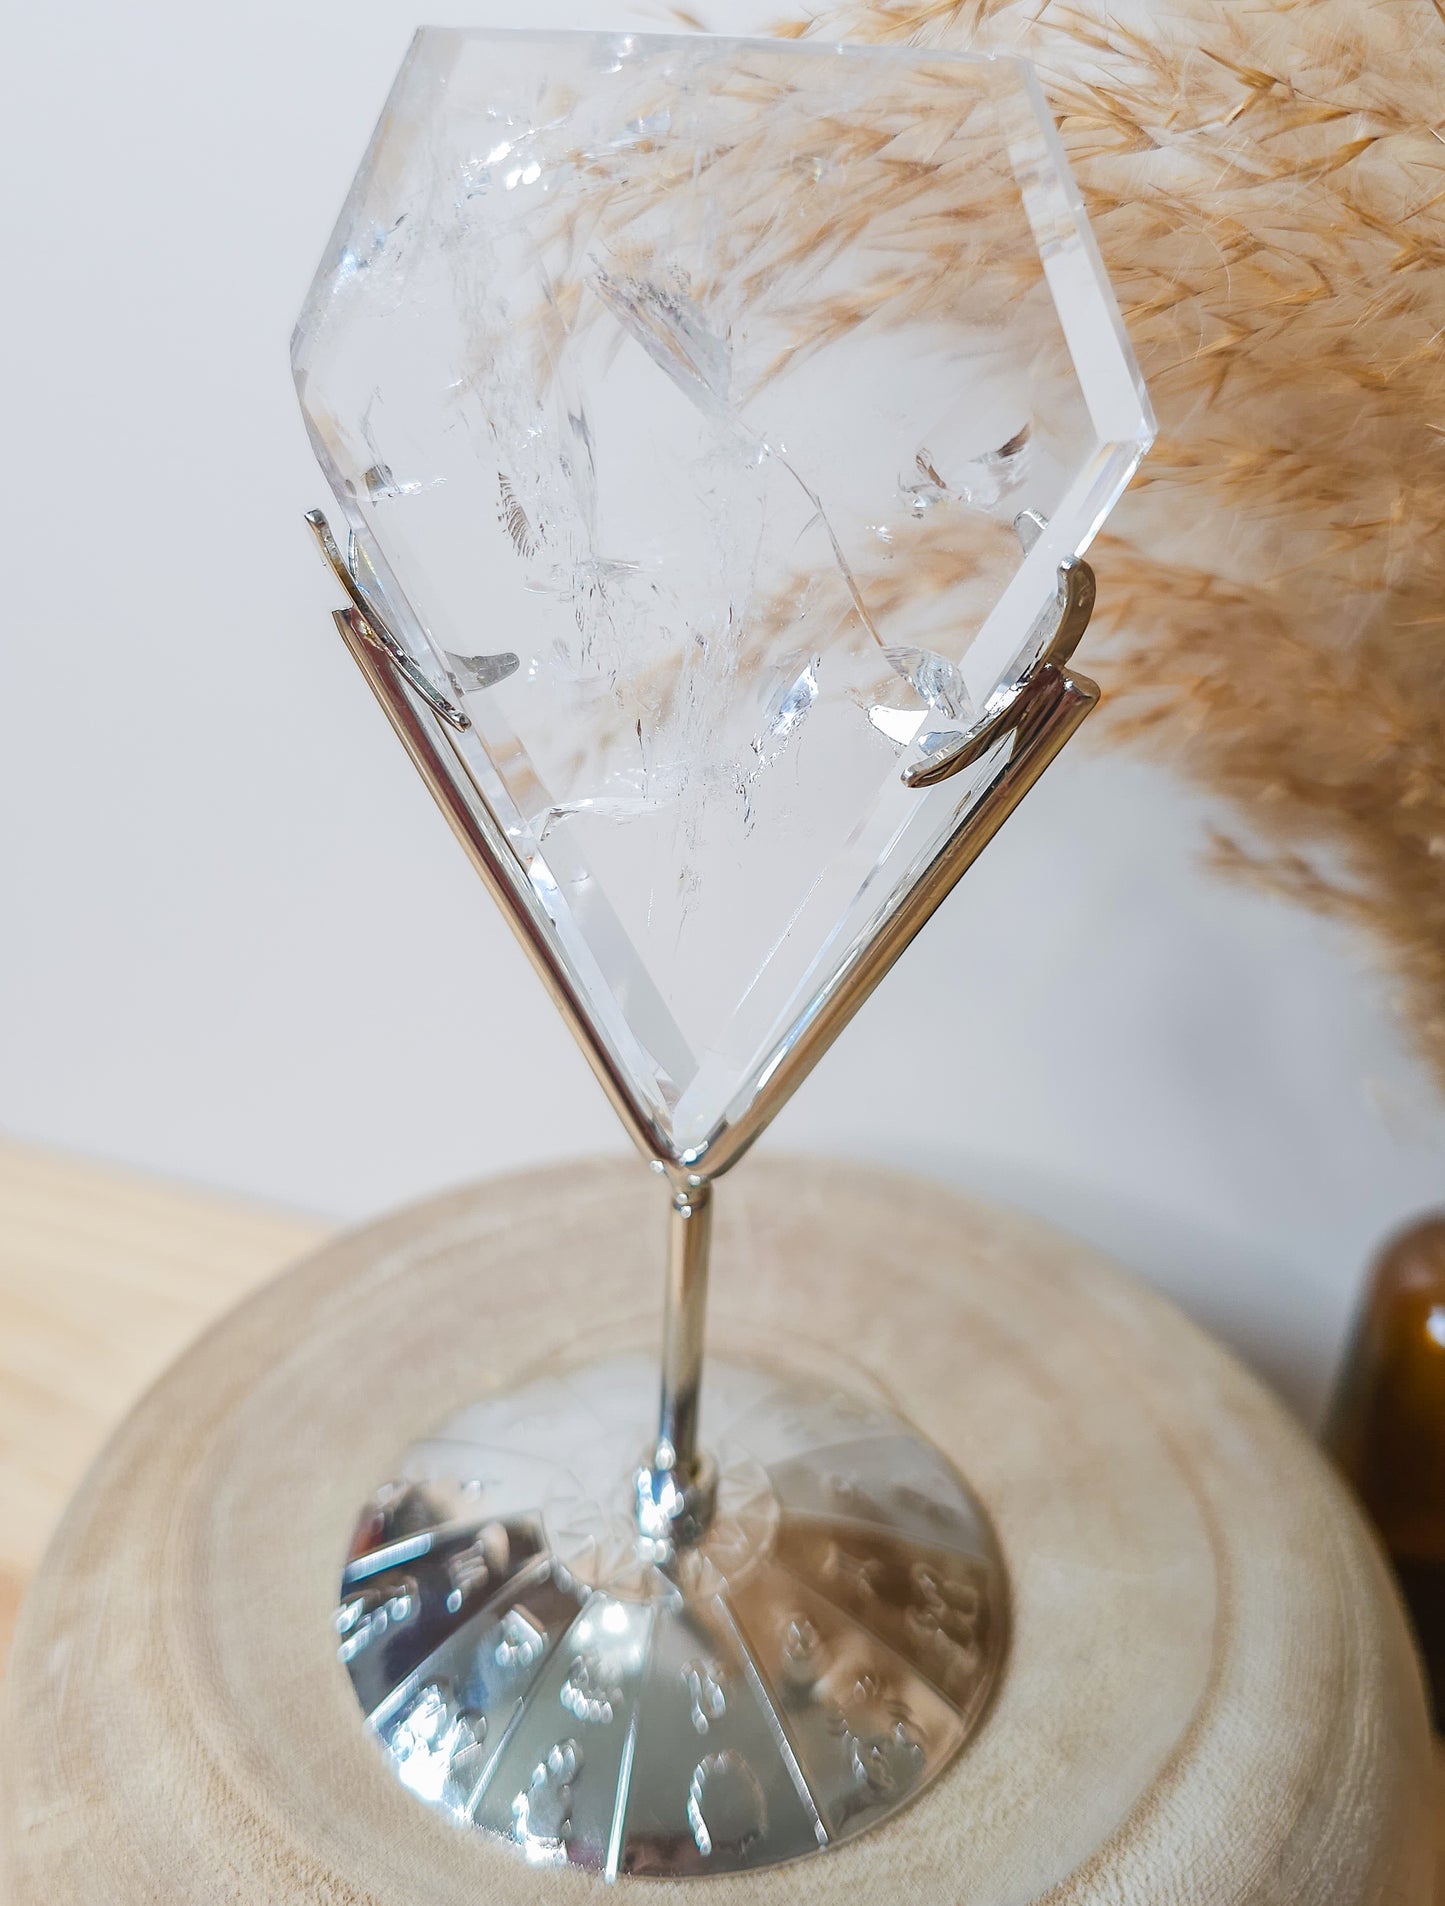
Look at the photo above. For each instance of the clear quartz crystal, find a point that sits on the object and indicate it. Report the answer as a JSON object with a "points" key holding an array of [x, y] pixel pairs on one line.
{"points": [[681, 395]]}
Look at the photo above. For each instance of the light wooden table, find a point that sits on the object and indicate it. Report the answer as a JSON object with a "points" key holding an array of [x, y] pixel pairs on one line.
{"points": [[104, 1277]]}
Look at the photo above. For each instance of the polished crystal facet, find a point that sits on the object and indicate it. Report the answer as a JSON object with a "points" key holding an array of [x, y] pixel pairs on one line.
{"points": [[683, 397]]}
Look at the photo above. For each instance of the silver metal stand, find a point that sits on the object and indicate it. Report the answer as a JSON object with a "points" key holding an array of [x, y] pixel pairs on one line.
{"points": [[676, 1490], [651, 1658]]}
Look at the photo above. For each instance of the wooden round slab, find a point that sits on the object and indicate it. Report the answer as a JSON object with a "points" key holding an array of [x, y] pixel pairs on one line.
{"points": [[1210, 1694]]}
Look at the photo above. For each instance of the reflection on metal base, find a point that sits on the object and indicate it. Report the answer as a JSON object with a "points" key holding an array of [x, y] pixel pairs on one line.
{"points": [[536, 1666]]}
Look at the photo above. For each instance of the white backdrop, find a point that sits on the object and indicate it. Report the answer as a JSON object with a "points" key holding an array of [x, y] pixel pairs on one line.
{"points": [[238, 945]]}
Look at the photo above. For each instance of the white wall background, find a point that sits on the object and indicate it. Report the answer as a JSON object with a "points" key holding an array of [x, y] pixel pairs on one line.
{"points": [[238, 946]]}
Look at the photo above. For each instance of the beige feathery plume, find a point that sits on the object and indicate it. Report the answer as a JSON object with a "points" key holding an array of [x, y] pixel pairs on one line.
{"points": [[1267, 185]]}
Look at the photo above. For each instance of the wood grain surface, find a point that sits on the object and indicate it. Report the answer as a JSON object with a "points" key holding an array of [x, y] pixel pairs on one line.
{"points": [[1210, 1697], [104, 1277]]}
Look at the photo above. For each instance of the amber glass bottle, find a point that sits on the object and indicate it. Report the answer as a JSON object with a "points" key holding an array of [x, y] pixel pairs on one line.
{"points": [[1387, 1425]]}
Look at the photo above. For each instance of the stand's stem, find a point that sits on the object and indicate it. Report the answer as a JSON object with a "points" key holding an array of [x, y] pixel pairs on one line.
{"points": [[689, 1238], [675, 1491]]}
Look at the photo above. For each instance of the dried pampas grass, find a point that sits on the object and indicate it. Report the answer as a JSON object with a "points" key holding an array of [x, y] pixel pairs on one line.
{"points": [[1267, 184]]}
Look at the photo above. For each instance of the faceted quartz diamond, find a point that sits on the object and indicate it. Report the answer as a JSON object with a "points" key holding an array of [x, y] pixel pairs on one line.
{"points": [[681, 396]]}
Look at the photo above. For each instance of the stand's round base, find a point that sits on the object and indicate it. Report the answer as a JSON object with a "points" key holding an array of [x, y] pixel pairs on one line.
{"points": [[1208, 1696], [534, 1666]]}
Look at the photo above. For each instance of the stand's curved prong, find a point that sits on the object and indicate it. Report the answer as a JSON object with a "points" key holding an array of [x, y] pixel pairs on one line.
{"points": [[1076, 604], [375, 631], [1077, 594]]}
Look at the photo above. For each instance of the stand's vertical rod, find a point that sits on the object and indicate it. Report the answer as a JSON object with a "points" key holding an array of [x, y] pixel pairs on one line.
{"points": [[676, 1489], [689, 1239]]}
